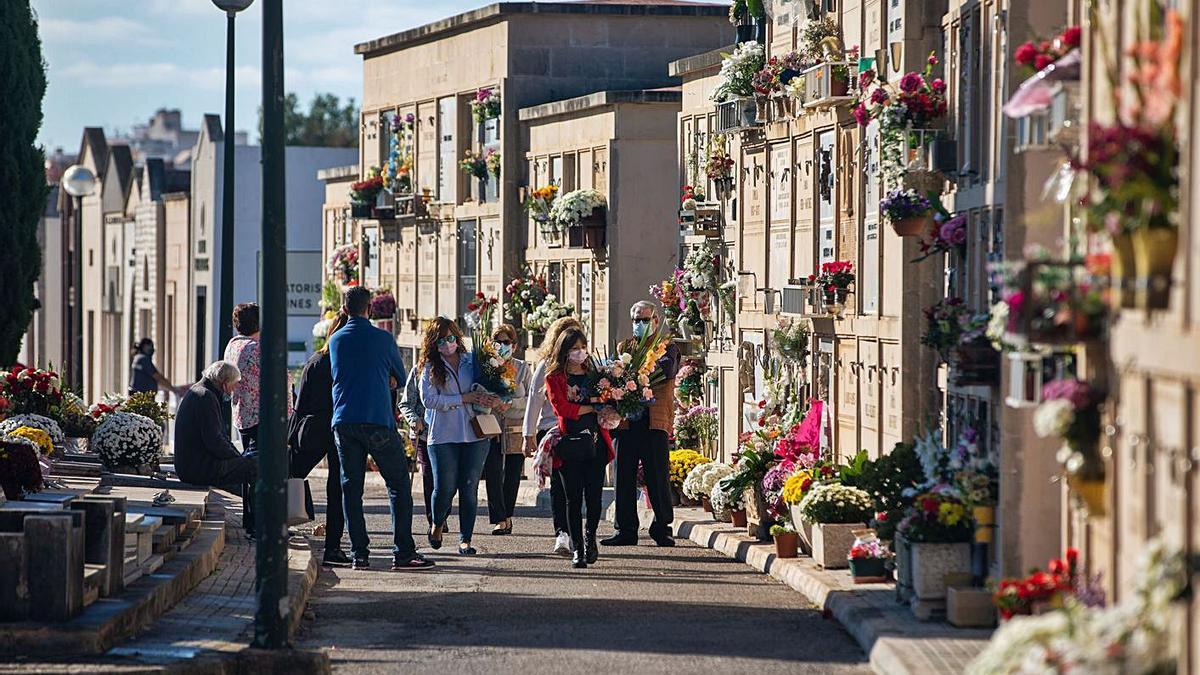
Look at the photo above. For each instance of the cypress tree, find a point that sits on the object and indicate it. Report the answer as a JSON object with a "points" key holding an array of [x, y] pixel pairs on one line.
{"points": [[22, 170]]}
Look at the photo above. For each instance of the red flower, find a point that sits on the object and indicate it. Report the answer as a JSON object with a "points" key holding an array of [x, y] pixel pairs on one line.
{"points": [[479, 295], [1072, 37], [1042, 61], [1026, 54], [472, 306]]}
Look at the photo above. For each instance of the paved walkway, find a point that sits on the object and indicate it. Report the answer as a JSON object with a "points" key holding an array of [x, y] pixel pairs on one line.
{"points": [[518, 608]]}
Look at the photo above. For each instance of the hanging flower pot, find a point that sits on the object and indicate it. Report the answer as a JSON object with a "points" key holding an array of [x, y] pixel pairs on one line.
{"points": [[914, 226], [595, 236], [835, 301], [1153, 259], [1123, 273], [360, 210]]}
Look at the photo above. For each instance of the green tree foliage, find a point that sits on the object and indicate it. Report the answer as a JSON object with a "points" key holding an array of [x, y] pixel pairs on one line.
{"points": [[327, 123], [22, 170]]}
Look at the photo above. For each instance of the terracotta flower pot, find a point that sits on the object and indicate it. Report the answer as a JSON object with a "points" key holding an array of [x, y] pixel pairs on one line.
{"points": [[1153, 259], [913, 226], [738, 517], [706, 504], [786, 545]]}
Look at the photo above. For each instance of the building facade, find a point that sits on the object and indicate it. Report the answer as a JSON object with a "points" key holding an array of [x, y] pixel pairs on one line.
{"points": [[529, 55]]}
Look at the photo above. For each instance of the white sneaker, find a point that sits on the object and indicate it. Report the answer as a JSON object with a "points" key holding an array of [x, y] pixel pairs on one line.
{"points": [[562, 544]]}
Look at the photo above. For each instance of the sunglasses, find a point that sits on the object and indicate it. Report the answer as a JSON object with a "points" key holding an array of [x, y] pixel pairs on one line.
{"points": [[505, 341], [448, 340], [642, 321]]}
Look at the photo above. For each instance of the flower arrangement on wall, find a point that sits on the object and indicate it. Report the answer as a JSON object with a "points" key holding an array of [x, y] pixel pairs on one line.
{"points": [[397, 171], [342, 265], [907, 211], [792, 340], [777, 73], [917, 102], [945, 235], [1035, 56], [669, 293], [476, 164], [738, 71], [383, 305], [539, 202], [366, 190], [548, 312], [690, 196], [486, 104], [834, 281], [950, 323], [719, 165], [526, 292], [570, 209], [1070, 411]]}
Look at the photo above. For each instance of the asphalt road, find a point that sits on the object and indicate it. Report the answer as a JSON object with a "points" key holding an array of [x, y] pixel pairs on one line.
{"points": [[517, 608]]}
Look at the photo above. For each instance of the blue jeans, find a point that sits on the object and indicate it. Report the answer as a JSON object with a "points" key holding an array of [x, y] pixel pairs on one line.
{"points": [[456, 468], [354, 443]]}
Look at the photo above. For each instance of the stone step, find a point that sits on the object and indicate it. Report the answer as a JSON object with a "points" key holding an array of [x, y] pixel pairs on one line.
{"points": [[151, 564], [164, 539], [93, 579]]}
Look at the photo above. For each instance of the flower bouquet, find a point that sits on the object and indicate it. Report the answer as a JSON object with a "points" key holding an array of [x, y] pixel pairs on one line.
{"points": [[1044, 590], [475, 164], [696, 427], [397, 171], [944, 235], [76, 422], [479, 311], [486, 105], [903, 113], [1036, 56], [366, 190], [689, 382], [493, 373], [669, 294], [1070, 410], [383, 305], [538, 205], [31, 391], [791, 340], [834, 283], [548, 312], [691, 196], [908, 212], [343, 265], [526, 292], [127, 442], [20, 471], [719, 165], [738, 71], [572, 208], [937, 516], [624, 382], [948, 323]]}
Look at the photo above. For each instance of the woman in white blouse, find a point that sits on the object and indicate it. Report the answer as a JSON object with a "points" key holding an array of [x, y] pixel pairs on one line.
{"points": [[540, 418]]}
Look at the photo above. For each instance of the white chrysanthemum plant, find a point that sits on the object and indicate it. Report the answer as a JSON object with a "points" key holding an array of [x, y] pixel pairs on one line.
{"points": [[837, 503], [714, 473], [571, 208], [55, 432], [693, 481], [127, 440], [723, 502]]}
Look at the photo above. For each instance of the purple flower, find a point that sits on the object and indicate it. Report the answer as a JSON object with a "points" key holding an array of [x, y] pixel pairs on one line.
{"points": [[1079, 393], [861, 115], [409, 118], [938, 85], [879, 96], [911, 82]]}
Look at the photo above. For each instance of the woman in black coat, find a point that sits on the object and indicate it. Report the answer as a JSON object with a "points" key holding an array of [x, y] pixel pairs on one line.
{"points": [[310, 439]]}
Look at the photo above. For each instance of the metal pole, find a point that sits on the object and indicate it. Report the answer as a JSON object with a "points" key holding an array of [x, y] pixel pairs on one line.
{"points": [[76, 324], [271, 620], [225, 313]]}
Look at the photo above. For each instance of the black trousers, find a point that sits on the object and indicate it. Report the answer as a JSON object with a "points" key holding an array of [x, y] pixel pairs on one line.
{"points": [[558, 497], [303, 462], [641, 444], [426, 478], [502, 474], [583, 484], [249, 447]]}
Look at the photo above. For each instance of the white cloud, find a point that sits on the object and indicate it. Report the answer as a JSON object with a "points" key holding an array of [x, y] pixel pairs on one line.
{"points": [[146, 75], [102, 30]]}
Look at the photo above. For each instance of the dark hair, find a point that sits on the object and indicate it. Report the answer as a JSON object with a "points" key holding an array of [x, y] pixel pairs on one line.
{"points": [[245, 318], [506, 330], [140, 345], [356, 300], [562, 347], [334, 325], [429, 349]]}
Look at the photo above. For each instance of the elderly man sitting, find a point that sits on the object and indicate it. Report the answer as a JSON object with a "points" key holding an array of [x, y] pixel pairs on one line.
{"points": [[204, 454]]}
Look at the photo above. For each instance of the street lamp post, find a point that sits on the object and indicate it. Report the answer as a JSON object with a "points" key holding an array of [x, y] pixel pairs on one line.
{"points": [[79, 182], [225, 312], [271, 618]]}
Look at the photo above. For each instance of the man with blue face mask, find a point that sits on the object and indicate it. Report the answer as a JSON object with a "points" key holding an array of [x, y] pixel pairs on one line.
{"points": [[204, 455], [646, 442]]}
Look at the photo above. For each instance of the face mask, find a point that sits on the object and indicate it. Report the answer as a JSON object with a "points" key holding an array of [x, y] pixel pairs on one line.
{"points": [[640, 329], [448, 348], [577, 356], [226, 396], [504, 351]]}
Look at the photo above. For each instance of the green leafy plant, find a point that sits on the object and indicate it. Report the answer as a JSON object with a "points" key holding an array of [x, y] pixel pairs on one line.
{"points": [[886, 479], [781, 529], [144, 403]]}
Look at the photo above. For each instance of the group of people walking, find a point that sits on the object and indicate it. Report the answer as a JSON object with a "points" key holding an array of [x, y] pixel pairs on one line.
{"points": [[351, 392]]}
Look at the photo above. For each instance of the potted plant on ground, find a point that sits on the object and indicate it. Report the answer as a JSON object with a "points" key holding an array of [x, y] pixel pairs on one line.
{"points": [[733, 504], [786, 541], [868, 559], [835, 510], [128, 443], [681, 464], [20, 471], [908, 212], [937, 529], [747, 478]]}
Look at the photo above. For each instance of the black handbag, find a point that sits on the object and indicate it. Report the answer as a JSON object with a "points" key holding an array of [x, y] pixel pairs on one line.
{"points": [[579, 447]]}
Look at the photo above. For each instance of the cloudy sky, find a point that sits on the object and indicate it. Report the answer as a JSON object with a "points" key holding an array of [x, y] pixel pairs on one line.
{"points": [[112, 63]]}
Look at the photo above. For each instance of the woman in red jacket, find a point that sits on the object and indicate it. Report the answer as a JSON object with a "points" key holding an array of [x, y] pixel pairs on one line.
{"points": [[585, 448]]}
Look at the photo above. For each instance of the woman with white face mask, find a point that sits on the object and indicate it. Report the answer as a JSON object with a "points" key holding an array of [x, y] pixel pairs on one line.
{"points": [[585, 447], [506, 460]]}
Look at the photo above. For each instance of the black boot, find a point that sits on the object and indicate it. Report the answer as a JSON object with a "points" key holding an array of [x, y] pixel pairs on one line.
{"points": [[590, 551], [577, 558]]}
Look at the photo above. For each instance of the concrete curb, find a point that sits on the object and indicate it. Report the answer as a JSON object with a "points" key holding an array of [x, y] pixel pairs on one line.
{"points": [[896, 643], [110, 620]]}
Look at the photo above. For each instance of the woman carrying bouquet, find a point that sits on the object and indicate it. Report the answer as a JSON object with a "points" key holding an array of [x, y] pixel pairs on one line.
{"points": [[585, 448], [539, 420], [455, 453], [502, 471]]}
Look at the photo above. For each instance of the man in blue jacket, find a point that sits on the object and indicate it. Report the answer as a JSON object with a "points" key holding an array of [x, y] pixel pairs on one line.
{"points": [[365, 361]]}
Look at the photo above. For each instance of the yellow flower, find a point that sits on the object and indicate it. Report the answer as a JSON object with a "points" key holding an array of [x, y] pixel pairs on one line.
{"points": [[37, 436], [950, 513], [796, 486]]}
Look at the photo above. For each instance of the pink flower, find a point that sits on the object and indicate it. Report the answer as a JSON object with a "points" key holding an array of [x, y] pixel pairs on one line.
{"points": [[1042, 61], [631, 385], [647, 393], [617, 394], [604, 383], [911, 82], [866, 78], [938, 85], [861, 115], [879, 96], [1025, 54]]}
